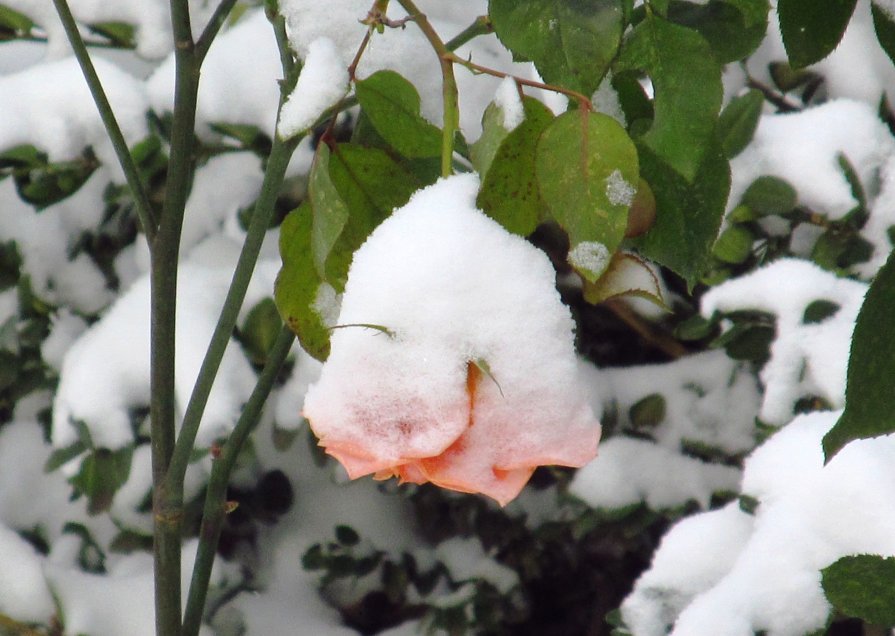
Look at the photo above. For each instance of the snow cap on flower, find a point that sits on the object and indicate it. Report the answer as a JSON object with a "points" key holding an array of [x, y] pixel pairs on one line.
{"points": [[470, 380]]}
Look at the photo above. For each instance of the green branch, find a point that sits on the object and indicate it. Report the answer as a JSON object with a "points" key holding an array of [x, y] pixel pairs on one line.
{"points": [[481, 26], [215, 497], [145, 212], [448, 86], [212, 28]]}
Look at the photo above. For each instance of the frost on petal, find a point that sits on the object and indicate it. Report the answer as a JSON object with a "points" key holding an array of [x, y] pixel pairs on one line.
{"points": [[454, 290], [323, 82]]}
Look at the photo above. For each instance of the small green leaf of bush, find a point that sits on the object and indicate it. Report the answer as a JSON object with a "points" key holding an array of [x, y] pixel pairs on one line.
{"points": [[818, 311], [298, 284], [509, 193], [647, 412], [871, 365], [392, 105], [687, 81], [885, 29], [330, 211], [102, 473], [481, 153], [770, 195], [571, 42], [811, 29], [260, 330], [734, 245], [738, 121], [688, 214], [862, 586], [733, 28], [579, 157]]}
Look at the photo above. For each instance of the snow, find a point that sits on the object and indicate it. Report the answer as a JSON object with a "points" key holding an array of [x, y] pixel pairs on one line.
{"points": [[243, 61], [323, 81], [466, 561], [806, 359], [765, 575], [631, 470], [106, 371], [507, 98], [589, 256], [23, 589], [150, 17], [619, 191], [454, 290], [605, 100], [709, 399], [50, 107], [803, 149]]}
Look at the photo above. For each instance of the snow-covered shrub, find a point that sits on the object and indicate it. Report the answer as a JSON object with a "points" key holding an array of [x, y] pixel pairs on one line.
{"points": [[689, 203]]}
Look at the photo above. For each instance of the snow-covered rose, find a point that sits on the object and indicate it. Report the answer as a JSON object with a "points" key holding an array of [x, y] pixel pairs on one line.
{"points": [[475, 382]]}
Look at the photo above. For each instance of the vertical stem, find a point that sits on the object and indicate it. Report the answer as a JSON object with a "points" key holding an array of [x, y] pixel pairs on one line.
{"points": [[164, 252], [448, 86], [215, 497]]}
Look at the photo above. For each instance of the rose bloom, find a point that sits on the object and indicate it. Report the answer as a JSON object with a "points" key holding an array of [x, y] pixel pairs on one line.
{"points": [[469, 379]]}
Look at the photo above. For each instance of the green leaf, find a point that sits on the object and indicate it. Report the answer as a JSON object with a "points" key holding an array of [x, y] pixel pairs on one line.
{"points": [[25, 156], [587, 171], [509, 193], [869, 404], [734, 245], [862, 586], [102, 473], [688, 213], [393, 107], [260, 330], [10, 264], [647, 412], [119, 34], [330, 211], [248, 136], [884, 24], [13, 23], [298, 286], [687, 82], [571, 42], [62, 456], [371, 185], [770, 195], [811, 29], [733, 28], [347, 536], [482, 152], [818, 311], [738, 121]]}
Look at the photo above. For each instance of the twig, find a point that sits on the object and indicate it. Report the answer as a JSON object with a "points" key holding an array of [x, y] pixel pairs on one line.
{"points": [[212, 28], [665, 343], [145, 212], [215, 497], [481, 26]]}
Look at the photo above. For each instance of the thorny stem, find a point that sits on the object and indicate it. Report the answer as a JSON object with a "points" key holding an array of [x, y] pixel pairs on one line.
{"points": [[449, 93], [144, 209], [215, 497], [582, 99]]}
